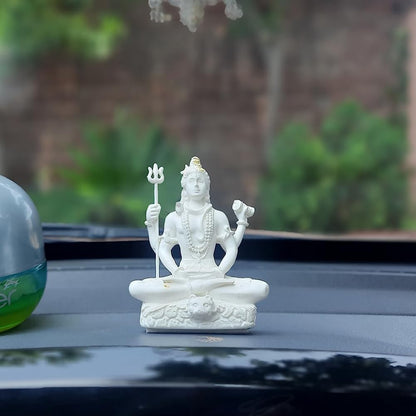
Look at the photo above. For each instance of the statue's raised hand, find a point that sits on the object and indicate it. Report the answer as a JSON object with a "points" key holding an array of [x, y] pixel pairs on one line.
{"points": [[242, 211], [152, 214]]}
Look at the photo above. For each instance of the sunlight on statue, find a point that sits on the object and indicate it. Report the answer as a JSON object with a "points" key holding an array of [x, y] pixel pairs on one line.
{"points": [[191, 12], [198, 295]]}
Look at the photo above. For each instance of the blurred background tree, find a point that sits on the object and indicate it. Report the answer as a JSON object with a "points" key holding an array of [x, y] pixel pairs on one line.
{"points": [[230, 86], [266, 22], [107, 180], [31, 29], [348, 176]]}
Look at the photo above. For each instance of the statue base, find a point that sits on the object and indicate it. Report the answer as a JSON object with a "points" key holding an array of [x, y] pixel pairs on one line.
{"points": [[199, 331], [198, 314]]}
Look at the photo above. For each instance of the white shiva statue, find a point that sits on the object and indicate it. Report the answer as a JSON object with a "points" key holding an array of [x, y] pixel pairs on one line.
{"points": [[198, 295]]}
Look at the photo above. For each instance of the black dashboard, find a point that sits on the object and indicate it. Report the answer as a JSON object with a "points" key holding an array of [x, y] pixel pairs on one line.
{"points": [[335, 336]]}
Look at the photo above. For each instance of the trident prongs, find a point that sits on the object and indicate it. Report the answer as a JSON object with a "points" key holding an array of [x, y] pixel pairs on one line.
{"points": [[155, 175]]}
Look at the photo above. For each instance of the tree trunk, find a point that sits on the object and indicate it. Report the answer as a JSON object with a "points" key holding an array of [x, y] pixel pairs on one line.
{"points": [[411, 110], [274, 55], [272, 45]]}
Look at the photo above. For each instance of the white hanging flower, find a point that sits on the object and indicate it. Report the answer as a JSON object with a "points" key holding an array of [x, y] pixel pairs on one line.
{"points": [[191, 12]]}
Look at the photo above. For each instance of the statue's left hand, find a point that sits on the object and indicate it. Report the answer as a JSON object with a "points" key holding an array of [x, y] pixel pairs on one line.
{"points": [[242, 211]]}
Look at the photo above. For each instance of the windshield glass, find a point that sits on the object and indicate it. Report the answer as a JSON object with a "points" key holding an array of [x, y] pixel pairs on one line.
{"points": [[300, 108]]}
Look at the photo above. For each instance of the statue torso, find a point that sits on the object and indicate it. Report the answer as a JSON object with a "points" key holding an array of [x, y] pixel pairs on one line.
{"points": [[197, 233]]}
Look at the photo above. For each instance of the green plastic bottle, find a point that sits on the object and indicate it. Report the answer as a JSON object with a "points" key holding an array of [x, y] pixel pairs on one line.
{"points": [[22, 259]]}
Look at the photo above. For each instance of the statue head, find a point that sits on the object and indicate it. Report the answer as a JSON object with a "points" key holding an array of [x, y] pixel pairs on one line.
{"points": [[191, 176]]}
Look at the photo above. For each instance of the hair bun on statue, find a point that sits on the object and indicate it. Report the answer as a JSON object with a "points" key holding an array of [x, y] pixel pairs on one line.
{"points": [[194, 166]]}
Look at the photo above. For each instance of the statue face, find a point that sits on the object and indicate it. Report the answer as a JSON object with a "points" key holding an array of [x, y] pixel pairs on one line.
{"points": [[195, 186]]}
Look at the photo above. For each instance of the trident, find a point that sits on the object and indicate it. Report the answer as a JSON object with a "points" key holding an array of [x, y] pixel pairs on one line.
{"points": [[155, 176]]}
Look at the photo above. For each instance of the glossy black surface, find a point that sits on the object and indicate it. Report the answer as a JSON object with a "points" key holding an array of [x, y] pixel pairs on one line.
{"points": [[332, 339], [220, 381]]}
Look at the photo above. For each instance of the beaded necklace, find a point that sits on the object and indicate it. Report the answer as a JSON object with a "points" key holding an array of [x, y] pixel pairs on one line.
{"points": [[199, 250]]}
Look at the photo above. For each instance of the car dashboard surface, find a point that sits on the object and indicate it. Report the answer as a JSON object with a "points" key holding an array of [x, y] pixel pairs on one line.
{"points": [[333, 337]]}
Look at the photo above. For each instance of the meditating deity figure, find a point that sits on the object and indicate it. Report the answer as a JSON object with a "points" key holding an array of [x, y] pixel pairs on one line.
{"points": [[198, 295]]}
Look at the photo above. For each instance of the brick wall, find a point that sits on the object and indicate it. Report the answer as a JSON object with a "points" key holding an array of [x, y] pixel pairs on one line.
{"points": [[208, 90]]}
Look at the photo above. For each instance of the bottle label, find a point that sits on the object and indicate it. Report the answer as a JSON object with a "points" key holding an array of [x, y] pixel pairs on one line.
{"points": [[7, 288]]}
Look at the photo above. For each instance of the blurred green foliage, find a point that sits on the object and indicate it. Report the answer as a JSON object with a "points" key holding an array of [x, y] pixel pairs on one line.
{"points": [[32, 28], [107, 183], [349, 176]]}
